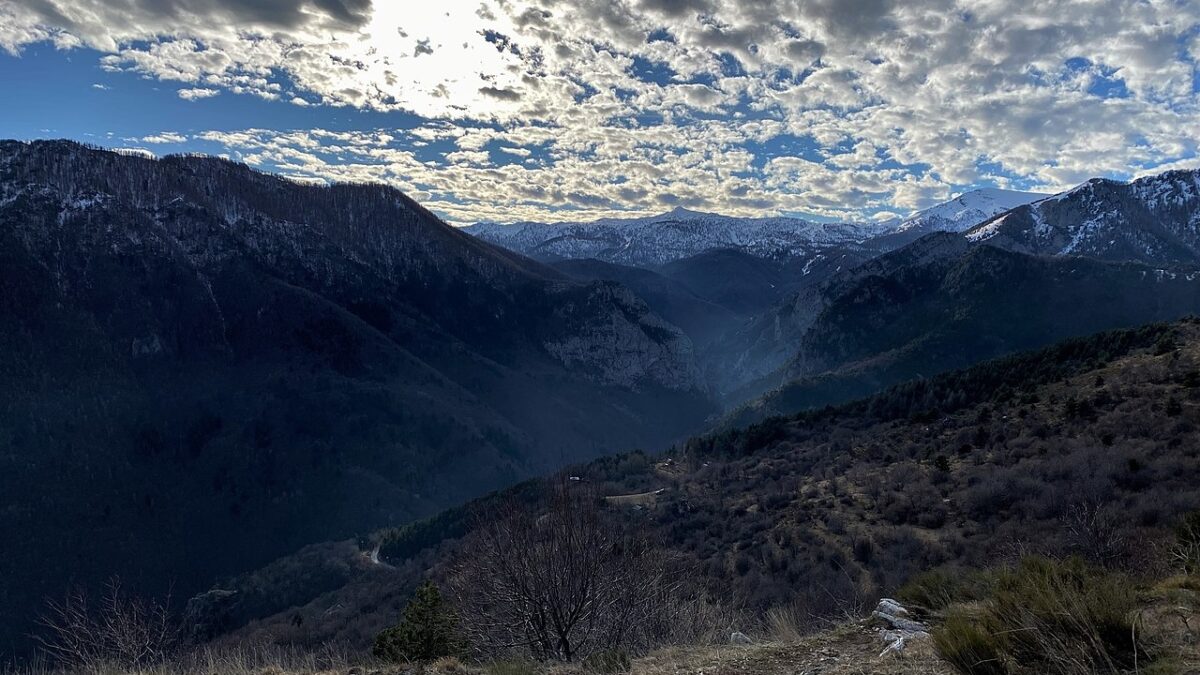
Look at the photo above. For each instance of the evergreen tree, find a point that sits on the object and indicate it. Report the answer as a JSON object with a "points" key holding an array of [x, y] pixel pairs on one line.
{"points": [[428, 630]]}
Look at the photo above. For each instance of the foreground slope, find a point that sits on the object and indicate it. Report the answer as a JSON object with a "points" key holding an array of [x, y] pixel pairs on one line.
{"points": [[1088, 447], [204, 367]]}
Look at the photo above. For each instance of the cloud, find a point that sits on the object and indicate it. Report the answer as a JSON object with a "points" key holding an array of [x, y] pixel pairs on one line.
{"points": [[165, 137], [841, 108], [197, 93], [501, 94]]}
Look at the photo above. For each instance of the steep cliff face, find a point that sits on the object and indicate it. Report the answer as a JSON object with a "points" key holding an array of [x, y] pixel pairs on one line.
{"points": [[625, 343], [752, 359], [203, 367]]}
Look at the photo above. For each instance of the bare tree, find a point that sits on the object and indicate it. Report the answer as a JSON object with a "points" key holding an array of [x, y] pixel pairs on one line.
{"points": [[561, 581], [121, 630], [1096, 532]]}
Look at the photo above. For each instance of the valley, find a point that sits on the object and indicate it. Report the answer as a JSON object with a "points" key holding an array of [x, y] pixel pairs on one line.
{"points": [[248, 367], [615, 337]]}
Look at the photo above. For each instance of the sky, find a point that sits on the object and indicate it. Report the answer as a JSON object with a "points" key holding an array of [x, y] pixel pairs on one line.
{"points": [[511, 110]]}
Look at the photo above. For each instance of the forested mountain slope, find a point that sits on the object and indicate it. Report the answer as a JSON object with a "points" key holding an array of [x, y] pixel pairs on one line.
{"points": [[937, 304], [203, 367]]}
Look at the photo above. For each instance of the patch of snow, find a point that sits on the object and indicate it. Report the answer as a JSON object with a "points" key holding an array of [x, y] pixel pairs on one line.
{"points": [[987, 231]]}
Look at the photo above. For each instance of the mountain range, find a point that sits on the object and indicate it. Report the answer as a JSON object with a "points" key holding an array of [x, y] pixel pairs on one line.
{"points": [[681, 233], [674, 235], [961, 276], [206, 367]]}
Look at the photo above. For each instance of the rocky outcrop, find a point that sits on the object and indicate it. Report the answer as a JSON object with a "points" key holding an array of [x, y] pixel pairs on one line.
{"points": [[900, 628], [622, 343]]}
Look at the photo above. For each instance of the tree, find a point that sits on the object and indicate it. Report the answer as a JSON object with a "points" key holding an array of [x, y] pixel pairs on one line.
{"points": [[563, 583], [122, 631], [428, 630]]}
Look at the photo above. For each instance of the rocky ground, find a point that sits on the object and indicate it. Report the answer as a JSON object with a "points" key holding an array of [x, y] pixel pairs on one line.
{"points": [[852, 649]]}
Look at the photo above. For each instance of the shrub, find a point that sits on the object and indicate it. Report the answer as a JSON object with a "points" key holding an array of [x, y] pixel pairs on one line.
{"points": [[969, 647], [1066, 618], [1048, 616], [584, 582], [121, 631], [447, 665], [1165, 345], [937, 589], [428, 631], [1187, 543], [607, 662], [511, 668]]}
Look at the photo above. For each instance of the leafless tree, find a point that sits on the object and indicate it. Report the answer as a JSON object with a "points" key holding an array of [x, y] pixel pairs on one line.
{"points": [[1097, 532], [121, 630], [560, 581]]}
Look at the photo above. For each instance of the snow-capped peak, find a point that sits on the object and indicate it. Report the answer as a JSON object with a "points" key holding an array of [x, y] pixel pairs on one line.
{"points": [[673, 235], [966, 211], [682, 232], [1154, 219]]}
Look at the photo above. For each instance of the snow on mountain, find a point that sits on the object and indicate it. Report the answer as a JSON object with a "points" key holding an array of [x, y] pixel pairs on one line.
{"points": [[1155, 220], [965, 211], [682, 233], [674, 235]]}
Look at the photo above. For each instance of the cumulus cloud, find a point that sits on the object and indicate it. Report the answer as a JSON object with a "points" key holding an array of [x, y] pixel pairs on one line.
{"points": [[841, 108], [197, 93]]}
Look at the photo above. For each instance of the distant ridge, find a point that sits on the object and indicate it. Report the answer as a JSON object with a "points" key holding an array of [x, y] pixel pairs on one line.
{"points": [[683, 233]]}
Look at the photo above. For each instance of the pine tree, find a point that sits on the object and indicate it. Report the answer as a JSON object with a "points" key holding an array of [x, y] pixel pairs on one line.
{"points": [[428, 630]]}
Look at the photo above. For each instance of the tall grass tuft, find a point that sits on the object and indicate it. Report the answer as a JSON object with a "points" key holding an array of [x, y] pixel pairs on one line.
{"points": [[968, 646], [1058, 617]]}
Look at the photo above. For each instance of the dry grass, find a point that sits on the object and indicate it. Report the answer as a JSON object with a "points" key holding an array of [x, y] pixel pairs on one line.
{"points": [[244, 660], [1169, 616], [852, 649]]}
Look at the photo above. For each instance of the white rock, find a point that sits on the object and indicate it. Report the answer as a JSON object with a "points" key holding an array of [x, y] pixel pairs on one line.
{"points": [[739, 638]]}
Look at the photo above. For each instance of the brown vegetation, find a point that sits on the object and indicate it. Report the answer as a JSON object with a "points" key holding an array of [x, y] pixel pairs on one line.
{"points": [[564, 582]]}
